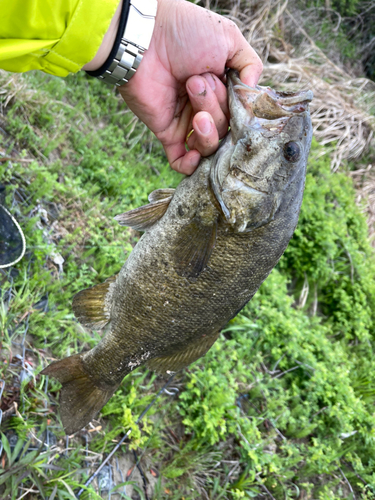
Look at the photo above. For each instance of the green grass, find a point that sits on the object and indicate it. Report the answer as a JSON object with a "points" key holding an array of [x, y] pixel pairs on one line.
{"points": [[282, 405]]}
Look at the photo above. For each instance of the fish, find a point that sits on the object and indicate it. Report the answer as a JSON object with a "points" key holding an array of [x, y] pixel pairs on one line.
{"points": [[207, 247]]}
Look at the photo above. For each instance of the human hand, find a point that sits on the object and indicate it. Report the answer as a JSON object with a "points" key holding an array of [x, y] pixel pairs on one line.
{"points": [[178, 85]]}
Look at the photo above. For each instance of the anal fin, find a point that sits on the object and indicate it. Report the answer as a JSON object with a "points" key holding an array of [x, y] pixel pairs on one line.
{"points": [[80, 398], [183, 357], [90, 306]]}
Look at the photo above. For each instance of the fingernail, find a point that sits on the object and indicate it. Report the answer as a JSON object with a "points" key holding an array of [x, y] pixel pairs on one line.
{"points": [[197, 86], [194, 160], [204, 126], [211, 80]]}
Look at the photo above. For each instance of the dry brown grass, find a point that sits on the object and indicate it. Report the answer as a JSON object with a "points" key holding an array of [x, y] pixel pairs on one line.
{"points": [[341, 101], [339, 121]]}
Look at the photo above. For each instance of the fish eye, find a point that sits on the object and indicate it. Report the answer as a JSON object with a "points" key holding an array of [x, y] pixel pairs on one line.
{"points": [[292, 151]]}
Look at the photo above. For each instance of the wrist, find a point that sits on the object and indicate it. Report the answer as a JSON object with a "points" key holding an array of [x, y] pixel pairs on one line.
{"points": [[133, 37]]}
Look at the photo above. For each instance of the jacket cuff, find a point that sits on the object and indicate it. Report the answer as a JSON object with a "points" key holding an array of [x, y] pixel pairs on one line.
{"points": [[82, 38]]}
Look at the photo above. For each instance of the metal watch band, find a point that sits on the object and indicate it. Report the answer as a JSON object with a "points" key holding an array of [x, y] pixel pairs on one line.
{"points": [[135, 40]]}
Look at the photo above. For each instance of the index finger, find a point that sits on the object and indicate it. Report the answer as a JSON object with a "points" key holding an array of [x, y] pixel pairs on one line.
{"points": [[242, 56]]}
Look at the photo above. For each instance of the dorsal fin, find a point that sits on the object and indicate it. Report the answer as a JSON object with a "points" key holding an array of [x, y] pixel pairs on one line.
{"points": [[160, 194], [194, 247], [144, 217], [92, 306]]}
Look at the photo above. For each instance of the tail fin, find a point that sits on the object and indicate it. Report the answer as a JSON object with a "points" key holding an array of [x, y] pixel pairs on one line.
{"points": [[80, 398]]}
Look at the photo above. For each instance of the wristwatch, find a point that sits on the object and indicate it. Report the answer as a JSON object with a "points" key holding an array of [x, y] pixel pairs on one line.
{"points": [[133, 38]]}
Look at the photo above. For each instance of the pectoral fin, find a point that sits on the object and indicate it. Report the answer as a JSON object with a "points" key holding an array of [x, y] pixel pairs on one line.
{"points": [[91, 306], [144, 217], [184, 357], [194, 247]]}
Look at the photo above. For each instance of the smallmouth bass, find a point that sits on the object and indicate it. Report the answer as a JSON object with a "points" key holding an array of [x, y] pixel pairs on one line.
{"points": [[207, 247]]}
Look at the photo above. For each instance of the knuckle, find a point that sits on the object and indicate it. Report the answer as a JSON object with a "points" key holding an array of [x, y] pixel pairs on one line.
{"points": [[259, 62], [176, 165]]}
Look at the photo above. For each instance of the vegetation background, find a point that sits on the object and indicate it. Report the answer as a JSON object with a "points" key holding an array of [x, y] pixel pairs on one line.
{"points": [[282, 407]]}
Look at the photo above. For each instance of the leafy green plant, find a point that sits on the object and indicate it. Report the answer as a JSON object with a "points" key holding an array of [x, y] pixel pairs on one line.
{"points": [[23, 466], [283, 402]]}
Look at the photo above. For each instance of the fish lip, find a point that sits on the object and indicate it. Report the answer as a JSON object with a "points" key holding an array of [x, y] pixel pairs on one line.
{"points": [[216, 190], [290, 99]]}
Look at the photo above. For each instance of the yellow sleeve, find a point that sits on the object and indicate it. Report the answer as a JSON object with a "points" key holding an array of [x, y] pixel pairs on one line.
{"points": [[55, 36]]}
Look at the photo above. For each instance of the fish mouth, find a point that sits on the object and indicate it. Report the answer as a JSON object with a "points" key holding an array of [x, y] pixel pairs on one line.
{"points": [[264, 107]]}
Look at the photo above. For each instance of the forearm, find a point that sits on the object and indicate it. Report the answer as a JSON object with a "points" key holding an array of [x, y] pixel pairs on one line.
{"points": [[57, 37], [107, 43]]}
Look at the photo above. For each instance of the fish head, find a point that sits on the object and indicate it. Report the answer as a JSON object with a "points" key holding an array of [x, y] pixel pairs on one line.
{"points": [[265, 151]]}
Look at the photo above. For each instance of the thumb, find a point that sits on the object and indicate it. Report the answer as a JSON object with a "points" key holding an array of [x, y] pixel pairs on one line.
{"points": [[243, 58]]}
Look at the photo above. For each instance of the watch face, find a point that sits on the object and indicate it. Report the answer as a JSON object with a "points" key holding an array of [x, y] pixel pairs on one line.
{"points": [[12, 240]]}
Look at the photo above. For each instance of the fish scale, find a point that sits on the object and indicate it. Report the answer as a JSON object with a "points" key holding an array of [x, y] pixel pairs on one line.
{"points": [[206, 249]]}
